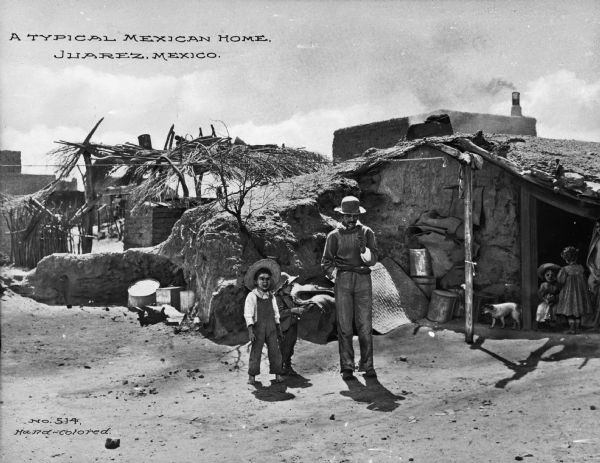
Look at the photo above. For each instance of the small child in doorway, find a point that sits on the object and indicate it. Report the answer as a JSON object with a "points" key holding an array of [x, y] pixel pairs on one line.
{"points": [[548, 294], [573, 300], [262, 317]]}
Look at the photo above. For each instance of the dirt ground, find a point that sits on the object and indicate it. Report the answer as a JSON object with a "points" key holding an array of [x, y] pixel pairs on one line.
{"points": [[71, 378]]}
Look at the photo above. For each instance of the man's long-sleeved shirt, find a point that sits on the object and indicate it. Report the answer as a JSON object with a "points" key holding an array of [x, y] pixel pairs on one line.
{"points": [[342, 250]]}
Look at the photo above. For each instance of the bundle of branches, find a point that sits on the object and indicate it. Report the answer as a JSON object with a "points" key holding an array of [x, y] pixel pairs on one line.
{"points": [[157, 168], [237, 168]]}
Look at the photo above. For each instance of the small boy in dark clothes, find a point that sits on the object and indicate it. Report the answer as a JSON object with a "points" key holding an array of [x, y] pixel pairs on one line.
{"points": [[289, 314], [262, 317]]}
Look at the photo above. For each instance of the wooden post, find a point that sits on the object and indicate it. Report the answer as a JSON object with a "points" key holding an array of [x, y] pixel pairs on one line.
{"points": [[90, 195], [170, 135], [88, 219], [468, 204], [529, 256]]}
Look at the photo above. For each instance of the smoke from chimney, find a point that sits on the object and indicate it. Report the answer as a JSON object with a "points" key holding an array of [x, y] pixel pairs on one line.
{"points": [[516, 105]]}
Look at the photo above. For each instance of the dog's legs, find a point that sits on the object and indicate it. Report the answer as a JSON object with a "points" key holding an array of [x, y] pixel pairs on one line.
{"points": [[502, 320], [493, 322]]}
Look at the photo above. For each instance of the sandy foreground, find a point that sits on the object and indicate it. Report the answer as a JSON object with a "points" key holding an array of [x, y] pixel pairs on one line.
{"points": [[71, 378]]}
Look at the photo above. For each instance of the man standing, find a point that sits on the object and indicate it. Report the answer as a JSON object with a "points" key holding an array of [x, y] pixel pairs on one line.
{"points": [[349, 252]]}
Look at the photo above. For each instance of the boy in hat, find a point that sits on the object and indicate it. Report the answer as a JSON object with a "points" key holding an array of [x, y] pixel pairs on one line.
{"points": [[262, 317], [289, 314], [349, 251]]}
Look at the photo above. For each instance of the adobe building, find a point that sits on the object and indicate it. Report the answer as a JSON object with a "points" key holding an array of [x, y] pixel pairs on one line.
{"points": [[350, 142], [532, 197]]}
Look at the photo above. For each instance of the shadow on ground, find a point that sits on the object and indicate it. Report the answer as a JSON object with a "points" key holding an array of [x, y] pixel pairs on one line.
{"points": [[274, 392], [563, 349], [297, 381], [558, 346], [373, 393]]}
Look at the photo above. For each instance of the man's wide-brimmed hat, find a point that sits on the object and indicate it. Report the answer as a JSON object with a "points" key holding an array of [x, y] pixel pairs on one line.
{"points": [[350, 205], [548, 266], [286, 278], [256, 266]]}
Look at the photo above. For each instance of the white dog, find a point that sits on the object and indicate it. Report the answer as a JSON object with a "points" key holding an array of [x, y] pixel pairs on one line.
{"points": [[499, 311]]}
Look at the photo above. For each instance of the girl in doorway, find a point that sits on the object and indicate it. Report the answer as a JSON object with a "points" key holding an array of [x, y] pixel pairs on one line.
{"points": [[573, 300]]}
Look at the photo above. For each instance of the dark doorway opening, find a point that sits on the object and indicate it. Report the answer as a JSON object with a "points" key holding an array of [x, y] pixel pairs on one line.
{"points": [[556, 229]]}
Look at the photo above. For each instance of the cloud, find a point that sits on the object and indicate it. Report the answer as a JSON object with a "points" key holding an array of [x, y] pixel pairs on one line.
{"points": [[79, 93], [314, 130], [564, 105], [36, 142]]}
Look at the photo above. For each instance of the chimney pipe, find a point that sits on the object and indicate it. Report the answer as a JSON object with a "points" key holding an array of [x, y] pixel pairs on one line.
{"points": [[145, 141], [516, 105]]}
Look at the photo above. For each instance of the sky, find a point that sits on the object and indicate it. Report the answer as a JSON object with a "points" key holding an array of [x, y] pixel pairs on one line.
{"points": [[312, 67]]}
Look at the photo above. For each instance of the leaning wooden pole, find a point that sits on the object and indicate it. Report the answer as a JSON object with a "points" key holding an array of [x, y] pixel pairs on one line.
{"points": [[468, 202], [90, 196]]}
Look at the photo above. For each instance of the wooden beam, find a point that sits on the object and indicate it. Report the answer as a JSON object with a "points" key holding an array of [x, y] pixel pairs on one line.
{"points": [[90, 195], [529, 255], [186, 192], [560, 201], [469, 266], [169, 135]]}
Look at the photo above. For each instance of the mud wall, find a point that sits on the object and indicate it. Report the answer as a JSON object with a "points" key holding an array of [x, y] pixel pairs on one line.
{"points": [[351, 141], [96, 278], [397, 195]]}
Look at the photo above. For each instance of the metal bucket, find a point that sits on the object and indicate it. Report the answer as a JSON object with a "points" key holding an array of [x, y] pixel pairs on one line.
{"points": [[187, 298], [441, 306], [425, 284], [420, 263], [169, 295]]}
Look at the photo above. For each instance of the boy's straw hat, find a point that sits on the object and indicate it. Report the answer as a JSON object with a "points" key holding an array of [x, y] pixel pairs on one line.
{"points": [[286, 278], [256, 266]]}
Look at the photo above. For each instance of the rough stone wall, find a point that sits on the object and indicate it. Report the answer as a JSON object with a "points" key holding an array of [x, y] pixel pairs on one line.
{"points": [[96, 278], [397, 195]]}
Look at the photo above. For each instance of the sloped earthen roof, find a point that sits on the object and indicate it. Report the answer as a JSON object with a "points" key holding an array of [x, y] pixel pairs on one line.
{"points": [[534, 159]]}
